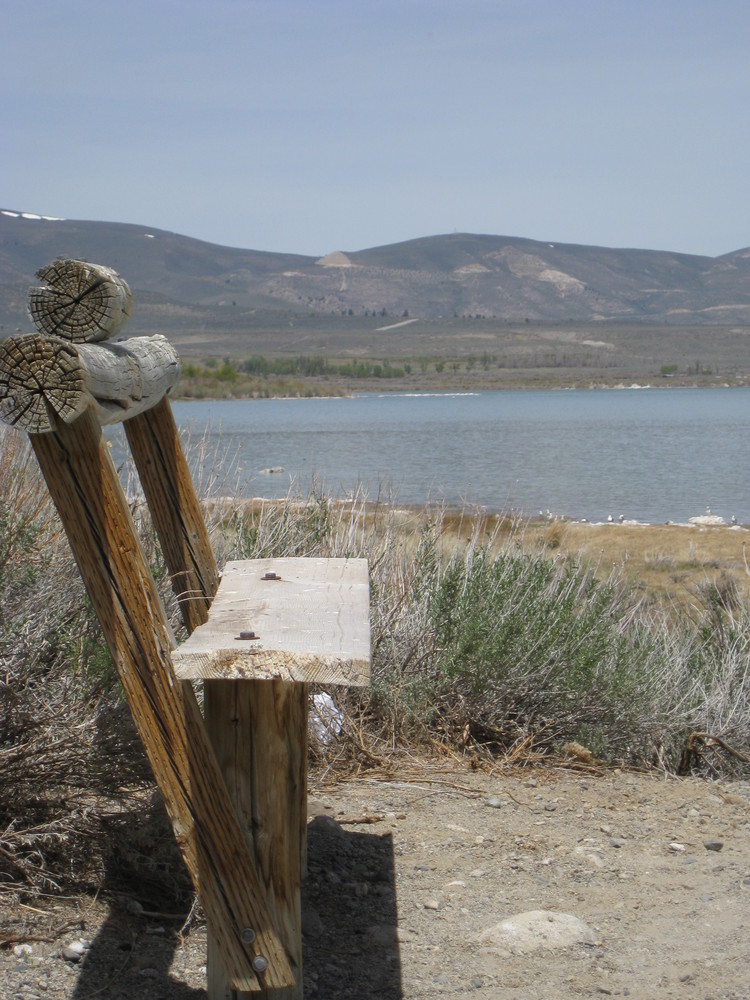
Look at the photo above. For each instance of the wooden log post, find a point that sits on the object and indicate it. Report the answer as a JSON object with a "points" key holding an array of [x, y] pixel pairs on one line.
{"points": [[165, 477], [86, 491], [257, 728], [258, 731]]}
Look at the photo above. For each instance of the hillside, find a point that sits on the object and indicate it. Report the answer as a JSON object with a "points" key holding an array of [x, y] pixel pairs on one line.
{"points": [[462, 293]]}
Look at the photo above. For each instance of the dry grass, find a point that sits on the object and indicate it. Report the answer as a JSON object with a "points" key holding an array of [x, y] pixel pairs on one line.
{"points": [[666, 564]]}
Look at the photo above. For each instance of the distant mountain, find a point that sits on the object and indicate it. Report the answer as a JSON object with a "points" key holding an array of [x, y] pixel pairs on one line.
{"points": [[186, 284]]}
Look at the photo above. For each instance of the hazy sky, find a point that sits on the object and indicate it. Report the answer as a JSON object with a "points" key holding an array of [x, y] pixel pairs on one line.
{"points": [[317, 125]]}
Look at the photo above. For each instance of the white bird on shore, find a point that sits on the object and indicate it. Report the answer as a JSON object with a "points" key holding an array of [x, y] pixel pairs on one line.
{"points": [[610, 519], [621, 518]]}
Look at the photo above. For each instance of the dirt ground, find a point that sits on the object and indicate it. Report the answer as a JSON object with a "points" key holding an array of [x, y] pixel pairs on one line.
{"points": [[412, 882]]}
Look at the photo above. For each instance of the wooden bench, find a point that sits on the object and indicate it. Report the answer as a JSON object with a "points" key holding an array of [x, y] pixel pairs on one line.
{"points": [[233, 778]]}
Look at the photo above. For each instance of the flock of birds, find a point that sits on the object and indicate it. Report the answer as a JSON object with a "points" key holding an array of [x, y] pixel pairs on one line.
{"points": [[610, 520]]}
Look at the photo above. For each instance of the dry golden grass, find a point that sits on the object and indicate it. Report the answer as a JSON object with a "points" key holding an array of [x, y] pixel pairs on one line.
{"points": [[669, 564]]}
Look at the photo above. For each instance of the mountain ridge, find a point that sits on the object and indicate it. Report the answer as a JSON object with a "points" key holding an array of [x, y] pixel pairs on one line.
{"points": [[502, 278]]}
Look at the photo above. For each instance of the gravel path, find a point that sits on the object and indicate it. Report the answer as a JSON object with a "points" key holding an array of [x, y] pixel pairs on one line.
{"points": [[447, 882]]}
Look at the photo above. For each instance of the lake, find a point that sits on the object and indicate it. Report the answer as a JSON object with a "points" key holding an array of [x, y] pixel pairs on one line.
{"points": [[647, 454]]}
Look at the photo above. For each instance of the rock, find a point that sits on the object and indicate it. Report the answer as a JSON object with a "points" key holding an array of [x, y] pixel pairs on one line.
{"points": [[676, 847], [535, 930], [326, 825], [713, 845], [75, 951], [23, 950], [431, 904], [617, 842], [494, 802]]}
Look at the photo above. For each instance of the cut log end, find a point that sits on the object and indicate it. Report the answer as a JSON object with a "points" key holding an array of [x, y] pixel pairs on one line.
{"points": [[39, 378], [79, 302], [44, 380]]}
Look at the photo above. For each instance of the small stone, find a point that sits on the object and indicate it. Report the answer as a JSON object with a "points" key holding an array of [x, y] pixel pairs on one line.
{"points": [[550, 807], [134, 907], [713, 845], [431, 904], [494, 802], [676, 847], [22, 950], [325, 825], [74, 951], [617, 842], [535, 930]]}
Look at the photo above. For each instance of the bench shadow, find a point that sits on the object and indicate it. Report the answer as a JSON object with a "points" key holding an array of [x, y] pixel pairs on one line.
{"points": [[349, 924], [349, 915]]}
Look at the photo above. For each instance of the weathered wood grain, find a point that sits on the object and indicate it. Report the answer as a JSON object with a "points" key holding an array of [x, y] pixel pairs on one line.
{"points": [[312, 625], [258, 731], [42, 378], [79, 302], [165, 477], [87, 493]]}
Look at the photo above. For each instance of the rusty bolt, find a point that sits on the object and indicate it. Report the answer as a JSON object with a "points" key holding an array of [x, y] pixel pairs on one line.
{"points": [[271, 576], [248, 635], [247, 935]]}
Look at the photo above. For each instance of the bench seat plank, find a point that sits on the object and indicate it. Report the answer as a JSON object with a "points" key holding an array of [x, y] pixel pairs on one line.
{"points": [[312, 624]]}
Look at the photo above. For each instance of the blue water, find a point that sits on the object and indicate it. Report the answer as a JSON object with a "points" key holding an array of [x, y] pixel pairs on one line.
{"points": [[648, 454]]}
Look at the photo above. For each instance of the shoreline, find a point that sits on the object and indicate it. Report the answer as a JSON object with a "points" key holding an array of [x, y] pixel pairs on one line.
{"points": [[396, 390]]}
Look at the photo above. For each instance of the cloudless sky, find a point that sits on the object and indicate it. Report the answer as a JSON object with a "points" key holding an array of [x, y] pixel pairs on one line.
{"points": [[310, 126]]}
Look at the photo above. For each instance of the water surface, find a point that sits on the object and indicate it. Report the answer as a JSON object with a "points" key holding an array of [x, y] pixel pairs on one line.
{"points": [[648, 454]]}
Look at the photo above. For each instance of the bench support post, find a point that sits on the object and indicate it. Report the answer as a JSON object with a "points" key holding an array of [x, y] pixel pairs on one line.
{"points": [[258, 732]]}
